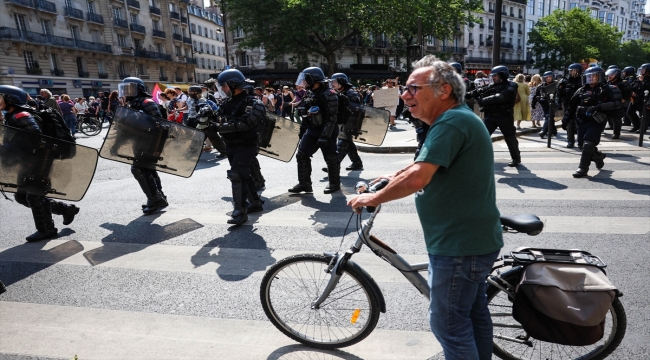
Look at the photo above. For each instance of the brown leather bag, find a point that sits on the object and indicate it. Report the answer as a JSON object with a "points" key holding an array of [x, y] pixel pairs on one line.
{"points": [[517, 98]]}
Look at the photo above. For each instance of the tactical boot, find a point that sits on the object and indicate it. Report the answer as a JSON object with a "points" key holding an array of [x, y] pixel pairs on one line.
{"points": [[43, 235], [331, 188], [155, 204], [616, 136], [570, 145], [355, 166], [304, 174], [163, 195], [333, 174], [68, 211], [585, 159], [2, 287], [301, 188], [255, 206], [42, 213], [238, 215], [597, 158], [513, 148]]}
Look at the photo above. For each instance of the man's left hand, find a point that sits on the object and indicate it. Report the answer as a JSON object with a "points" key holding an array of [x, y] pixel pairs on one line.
{"points": [[358, 202]]}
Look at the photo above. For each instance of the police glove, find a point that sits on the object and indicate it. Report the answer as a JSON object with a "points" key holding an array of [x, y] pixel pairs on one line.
{"points": [[591, 110], [565, 122], [302, 132]]}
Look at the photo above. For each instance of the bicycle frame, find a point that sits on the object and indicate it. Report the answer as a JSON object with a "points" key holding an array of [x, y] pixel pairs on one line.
{"points": [[379, 248]]}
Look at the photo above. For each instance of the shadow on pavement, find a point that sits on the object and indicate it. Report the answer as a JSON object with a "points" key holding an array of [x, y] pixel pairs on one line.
{"points": [[301, 352], [605, 177], [530, 180]]}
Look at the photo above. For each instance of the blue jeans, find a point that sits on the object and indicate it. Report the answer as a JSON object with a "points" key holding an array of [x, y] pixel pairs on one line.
{"points": [[71, 121], [459, 315]]}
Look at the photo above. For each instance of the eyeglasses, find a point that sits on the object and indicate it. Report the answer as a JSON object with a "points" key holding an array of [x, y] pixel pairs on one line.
{"points": [[413, 88]]}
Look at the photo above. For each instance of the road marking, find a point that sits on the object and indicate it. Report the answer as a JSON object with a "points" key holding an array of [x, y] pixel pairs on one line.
{"points": [[65, 331], [514, 173]]}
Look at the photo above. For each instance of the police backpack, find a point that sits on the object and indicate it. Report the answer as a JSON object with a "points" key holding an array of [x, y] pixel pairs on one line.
{"points": [[344, 111], [53, 125]]}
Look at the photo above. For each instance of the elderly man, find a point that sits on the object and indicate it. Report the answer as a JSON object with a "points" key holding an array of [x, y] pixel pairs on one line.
{"points": [[454, 166], [49, 101]]}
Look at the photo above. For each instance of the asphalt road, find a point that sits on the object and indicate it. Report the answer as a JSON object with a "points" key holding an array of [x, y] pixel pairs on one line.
{"points": [[184, 284]]}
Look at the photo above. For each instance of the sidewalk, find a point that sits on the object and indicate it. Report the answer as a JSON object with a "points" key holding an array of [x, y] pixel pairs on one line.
{"points": [[401, 139]]}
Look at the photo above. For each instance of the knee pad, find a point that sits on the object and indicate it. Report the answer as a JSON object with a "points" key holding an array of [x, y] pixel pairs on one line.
{"points": [[588, 145], [331, 159], [233, 176], [301, 156]]}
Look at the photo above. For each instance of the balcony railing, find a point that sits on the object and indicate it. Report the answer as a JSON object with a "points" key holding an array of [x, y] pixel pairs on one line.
{"points": [[491, 27], [138, 28], [95, 18], [187, 40], [153, 55], [478, 60], [83, 74], [183, 20], [471, 42], [102, 75], [133, 3], [482, 26], [34, 71], [154, 10], [512, 62], [190, 80], [489, 43], [454, 49], [505, 45], [123, 75], [74, 13], [44, 39], [185, 2], [177, 37], [25, 3], [163, 78], [179, 79], [174, 15], [47, 6], [491, 10], [158, 33], [57, 72], [381, 44], [121, 23], [190, 60]]}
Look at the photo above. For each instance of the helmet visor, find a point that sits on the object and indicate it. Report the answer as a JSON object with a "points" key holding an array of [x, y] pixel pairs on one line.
{"points": [[592, 78], [224, 91], [574, 73], [611, 73], [301, 81], [642, 71], [127, 89]]}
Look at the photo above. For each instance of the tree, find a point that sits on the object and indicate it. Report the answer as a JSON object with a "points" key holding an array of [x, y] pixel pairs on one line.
{"points": [[566, 37], [312, 28], [633, 53]]}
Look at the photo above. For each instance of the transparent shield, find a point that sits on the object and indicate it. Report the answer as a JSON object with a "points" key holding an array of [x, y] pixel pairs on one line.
{"points": [[279, 139], [127, 89], [153, 143], [368, 125], [32, 164]]}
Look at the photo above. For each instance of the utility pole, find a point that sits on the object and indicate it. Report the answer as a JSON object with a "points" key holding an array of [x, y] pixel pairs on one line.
{"points": [[225, 31], [496, 38]]}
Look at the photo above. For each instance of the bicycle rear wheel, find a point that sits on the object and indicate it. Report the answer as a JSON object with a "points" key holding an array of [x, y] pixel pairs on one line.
{"points": [[346, 317], [512, 342], [90, 126]]}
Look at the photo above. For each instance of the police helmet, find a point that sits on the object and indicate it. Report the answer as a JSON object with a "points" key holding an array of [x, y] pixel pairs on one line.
{"points": [[593, 75], [613, 73], [341, 78], [575, 70], [195, 88], [644, 70], [629, 71], [13, 95], [547, 74], [311, 76], [234, 79], [502, 71], [131, 87], [457, 66], [612, 67]]}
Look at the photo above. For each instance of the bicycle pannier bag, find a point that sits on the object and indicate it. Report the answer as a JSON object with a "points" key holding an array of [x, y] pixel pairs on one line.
{"points": [[563, 303]]}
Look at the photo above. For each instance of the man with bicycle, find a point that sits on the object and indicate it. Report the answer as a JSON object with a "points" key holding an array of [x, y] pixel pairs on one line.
{"points": [[454, 166]]}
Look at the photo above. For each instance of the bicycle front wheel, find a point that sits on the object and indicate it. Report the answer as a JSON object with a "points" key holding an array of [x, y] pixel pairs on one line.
{"points": [[346, 317], [512, 342], [90, 126]]}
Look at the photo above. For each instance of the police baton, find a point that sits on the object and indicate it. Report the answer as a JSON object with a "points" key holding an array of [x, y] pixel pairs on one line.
{"points": [[644, 117]]}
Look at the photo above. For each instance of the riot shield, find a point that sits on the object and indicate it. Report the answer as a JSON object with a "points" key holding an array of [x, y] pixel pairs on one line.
{"points": [[139, 139], [367, 124], [33, 164], [279, 137]]}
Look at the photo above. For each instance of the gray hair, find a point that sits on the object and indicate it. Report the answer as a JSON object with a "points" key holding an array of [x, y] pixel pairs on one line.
{"points": [[48, 92], [443, 73]]}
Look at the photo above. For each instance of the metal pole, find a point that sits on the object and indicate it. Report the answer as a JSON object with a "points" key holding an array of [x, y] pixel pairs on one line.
{"points": [[644, 117], [551, 119], [496, 38], [225, 31]]}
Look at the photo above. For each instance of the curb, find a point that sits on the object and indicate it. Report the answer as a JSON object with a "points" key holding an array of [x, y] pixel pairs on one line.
{"points": [[410, 149]]}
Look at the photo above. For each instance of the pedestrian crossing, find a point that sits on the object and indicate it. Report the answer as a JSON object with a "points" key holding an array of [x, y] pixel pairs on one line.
{"points": [[183, 284]]}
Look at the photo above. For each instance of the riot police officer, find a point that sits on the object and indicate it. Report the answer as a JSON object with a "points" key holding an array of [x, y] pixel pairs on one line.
{"points": [[643, 85], [469, 85], [195, 104], [614, 78], [317, 131], [542, 96], [135, 93], [239, 117], [14, 101], [629, 76], [591, 106], [346, 146], [497, 101], [565, 90]]}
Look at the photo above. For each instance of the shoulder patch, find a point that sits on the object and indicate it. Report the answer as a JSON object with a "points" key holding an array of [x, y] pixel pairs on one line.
{"points": [[21, 114], [147, 101]]}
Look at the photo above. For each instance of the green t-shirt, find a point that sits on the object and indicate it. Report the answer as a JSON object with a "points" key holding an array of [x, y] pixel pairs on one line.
{"points": [[457, 209]]}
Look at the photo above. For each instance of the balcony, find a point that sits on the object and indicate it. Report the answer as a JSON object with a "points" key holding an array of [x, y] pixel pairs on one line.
{"points": [[158, 33], [381, 44], [34, 71], [478, 60], [482, 26], [281, 65], [520, 32], [163, 78], [185, 2], [187, 40], [153, 55], [23, 3], [481, 43], [123, 75], [512, 62], [83, 74], [94, 18], [57, 72], [154, 10], [177, 37], [43, 39], [180, 58], [454, 49], [491, 27], [512, 14], [190, 79], [138, 28], [191, 61], [124, 50], [133, 4], [175, 16], [183, 20], [179, 79], [102, 75], [491, 10], [505, 45], [74, 13], [471, 42], [46, 6], [121, 23], [489, 43]]}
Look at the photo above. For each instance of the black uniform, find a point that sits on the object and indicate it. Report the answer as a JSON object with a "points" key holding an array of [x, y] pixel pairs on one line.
{"points": [[618, 114], [585, 103], [630, 111], [497, 102], [639, 90], [319, 131], [42, 207], [346, 146], [542, 97], [565, 90], [239, 119], [148, 179]]}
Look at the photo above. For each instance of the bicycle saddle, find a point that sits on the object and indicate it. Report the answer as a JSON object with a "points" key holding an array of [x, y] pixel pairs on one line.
{"points": [[525, 223]]}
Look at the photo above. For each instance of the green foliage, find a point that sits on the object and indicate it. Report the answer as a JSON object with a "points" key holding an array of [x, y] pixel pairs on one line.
{"points": [[632, 53], [565, 37], [313, 28]]}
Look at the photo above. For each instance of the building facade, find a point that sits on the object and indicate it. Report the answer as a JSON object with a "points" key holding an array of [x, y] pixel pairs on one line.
{"points": [[208, 42], [82, 47]]}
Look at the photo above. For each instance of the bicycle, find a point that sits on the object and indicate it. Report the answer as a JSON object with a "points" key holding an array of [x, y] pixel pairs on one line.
{"points": [[328, 301], [88, 124]]}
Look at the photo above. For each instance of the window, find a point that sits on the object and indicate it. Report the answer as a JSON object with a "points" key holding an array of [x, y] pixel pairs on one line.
{"points": [[491, 6], [54, 62], [601, 16], [211, 35], [94, 34], [142, 69], [594, 14], [74, 31], [29, 59], [160, 48], [573, 5], [238, 33], [177, 50], [243, 59], [20, 22], [100, 67], [200, 47], [68, 3], [162, 71], [137, 43], [91, 7], [202, 63], [134, 18], [121, 40], [117, 13], [121, 68], [541, 7], [46, 25], [531, 7], [213, 52], [610, 18], [152, 3], [521, 13], [193, 28], [175, 29], [531, 24], [80, 64], [155, 24]]}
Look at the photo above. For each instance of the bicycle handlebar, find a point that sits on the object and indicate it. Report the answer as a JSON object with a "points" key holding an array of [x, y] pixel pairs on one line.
{"points": [[363, 187]]}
